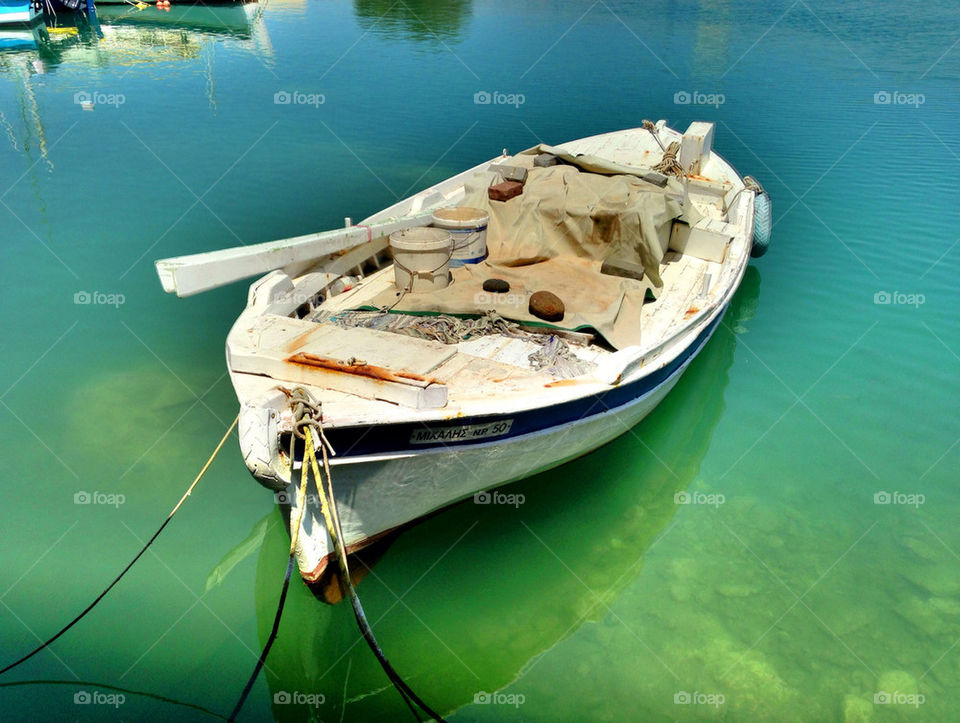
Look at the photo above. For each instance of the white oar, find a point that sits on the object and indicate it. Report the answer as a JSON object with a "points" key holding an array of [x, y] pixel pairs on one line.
{"points": [[188, 275]]}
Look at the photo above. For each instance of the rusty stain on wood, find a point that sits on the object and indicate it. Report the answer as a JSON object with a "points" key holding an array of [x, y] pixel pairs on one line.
{"points": [[568, 383], [300, 340], [359, 369]]}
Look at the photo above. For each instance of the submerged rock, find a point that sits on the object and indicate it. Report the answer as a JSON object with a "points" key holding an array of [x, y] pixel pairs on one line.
{"points": [[922, 615], [945, 605], [755, 686], [938, 580], [922, 549], [897, 682], [857, 710]]}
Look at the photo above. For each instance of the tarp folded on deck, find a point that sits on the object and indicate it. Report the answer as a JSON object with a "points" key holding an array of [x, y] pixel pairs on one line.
{"points": [[609, 304], [566, 212], [555, 237]]}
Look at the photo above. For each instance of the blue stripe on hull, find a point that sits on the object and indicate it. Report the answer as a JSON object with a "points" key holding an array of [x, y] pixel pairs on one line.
{"points": [[394, 438]]}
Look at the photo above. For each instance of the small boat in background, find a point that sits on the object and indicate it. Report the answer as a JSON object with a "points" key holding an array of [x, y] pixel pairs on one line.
{"points": [[536, 308], [227, 17], [127, 35], [19, 12], [132, 7], [184, 3]]}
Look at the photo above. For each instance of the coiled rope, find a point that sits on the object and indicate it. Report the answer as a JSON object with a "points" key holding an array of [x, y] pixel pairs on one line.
{"points": [[117, 579], [668, 165], [308, 418]]}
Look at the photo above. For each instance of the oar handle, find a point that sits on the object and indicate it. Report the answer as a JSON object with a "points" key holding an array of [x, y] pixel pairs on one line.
{"points": [[196, 273]]}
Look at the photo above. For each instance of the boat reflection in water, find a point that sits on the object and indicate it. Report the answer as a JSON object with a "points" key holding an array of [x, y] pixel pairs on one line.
{"points": [[236, 19], [19, 44], [414, 19], [23, 129], [119, 35], [16, 39], [127, 35], [465, 600]]}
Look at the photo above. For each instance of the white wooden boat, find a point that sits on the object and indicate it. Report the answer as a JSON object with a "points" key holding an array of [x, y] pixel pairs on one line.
{"points": [[419, 424]]}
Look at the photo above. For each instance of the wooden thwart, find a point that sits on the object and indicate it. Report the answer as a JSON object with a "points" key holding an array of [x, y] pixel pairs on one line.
{"points": [[365, 362]]}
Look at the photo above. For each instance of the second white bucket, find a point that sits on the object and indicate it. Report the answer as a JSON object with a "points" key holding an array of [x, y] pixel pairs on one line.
{"points": [[421, 258], [469, 229]]}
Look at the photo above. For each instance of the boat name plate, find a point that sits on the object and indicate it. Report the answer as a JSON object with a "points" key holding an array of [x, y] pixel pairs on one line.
{"points": [[464, 433]]}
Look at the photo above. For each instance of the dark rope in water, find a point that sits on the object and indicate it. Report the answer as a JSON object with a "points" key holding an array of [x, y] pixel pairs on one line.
{"points": [[409, 697], [117, 579], [346, 584], [308, 418], [89, 607], [273, 636]]}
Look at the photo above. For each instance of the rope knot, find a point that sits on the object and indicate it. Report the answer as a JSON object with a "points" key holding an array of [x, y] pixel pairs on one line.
{"points": [[306, 413]]}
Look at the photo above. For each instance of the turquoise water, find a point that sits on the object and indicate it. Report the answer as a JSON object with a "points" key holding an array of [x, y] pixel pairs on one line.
{"points": [[791, 595]]}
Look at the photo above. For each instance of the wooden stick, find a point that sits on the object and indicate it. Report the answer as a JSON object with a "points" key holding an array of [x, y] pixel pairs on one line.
{"points": [[188, 275]]}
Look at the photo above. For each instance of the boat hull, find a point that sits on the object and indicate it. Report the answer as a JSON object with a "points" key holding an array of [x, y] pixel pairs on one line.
{"points": [[17, 13], [376, 494]]}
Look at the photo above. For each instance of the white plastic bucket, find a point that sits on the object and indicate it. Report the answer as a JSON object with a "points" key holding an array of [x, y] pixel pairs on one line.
{"points": [[469, 229], [421, 258]]}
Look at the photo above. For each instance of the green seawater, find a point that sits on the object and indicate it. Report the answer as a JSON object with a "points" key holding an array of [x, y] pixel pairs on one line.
{"points": [[777, 541]]}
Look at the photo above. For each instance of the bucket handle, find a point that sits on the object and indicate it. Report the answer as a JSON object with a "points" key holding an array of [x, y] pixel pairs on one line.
{"points": [[414, 274]]}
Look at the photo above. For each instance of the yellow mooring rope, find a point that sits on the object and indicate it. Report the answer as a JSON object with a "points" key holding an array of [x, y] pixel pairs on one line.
{"points": [[291, 563], [328, 507]]}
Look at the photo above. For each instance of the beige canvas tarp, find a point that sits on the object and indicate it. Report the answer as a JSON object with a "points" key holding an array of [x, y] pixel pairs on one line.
{"points": [[555, 237], [609, 304], [564, 211]]}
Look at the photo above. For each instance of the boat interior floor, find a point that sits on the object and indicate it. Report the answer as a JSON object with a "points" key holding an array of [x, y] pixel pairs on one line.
{"points": [[515, 347]]}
